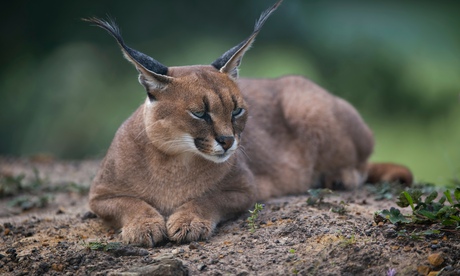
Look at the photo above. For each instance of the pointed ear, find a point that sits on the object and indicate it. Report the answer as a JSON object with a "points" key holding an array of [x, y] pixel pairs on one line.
{"points": [[152, 74], [229, 62]]}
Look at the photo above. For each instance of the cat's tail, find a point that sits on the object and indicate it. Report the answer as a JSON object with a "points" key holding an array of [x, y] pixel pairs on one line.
{"points": [[388, 172]]}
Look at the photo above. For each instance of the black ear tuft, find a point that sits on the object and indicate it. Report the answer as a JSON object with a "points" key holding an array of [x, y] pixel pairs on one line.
{"points": [[153, 74], [230, 60], [147, 62]]}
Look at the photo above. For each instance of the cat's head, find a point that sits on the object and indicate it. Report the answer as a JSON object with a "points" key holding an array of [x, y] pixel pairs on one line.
{"points": [[196, 109]]}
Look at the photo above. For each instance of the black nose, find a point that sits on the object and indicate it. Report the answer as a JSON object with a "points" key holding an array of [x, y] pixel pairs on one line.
{"points": [[226, 141]]}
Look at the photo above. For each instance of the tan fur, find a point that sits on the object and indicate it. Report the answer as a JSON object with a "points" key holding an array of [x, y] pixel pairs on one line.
{"points": [[166, 177], [389, 172]]}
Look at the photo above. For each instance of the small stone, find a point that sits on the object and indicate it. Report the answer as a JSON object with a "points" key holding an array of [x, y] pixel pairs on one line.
{"points": [[433, 273], [88, 215], [44, 267], [423, 269], [193, 246], [201, 267], [436, 259], [126, 250], [57, 267], [177, 251], [164, 265], [390, 233]]}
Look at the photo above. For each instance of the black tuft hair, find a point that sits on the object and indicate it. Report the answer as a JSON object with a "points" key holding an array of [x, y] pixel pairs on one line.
{"points": [[147, 62], [221, 61]]}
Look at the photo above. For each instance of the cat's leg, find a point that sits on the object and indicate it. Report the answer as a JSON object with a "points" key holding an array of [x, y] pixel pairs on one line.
{"points": [[344, 179], [140, 223], [197, 218]]}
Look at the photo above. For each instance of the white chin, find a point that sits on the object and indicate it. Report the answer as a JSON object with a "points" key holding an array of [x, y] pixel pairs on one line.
{"points": [[217, 158]]}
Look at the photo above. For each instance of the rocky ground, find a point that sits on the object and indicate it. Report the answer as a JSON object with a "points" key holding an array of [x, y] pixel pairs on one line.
{"points": [[46, 229]]}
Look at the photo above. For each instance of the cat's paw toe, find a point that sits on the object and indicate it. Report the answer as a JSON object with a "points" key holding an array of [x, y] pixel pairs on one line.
{"points": [[144, 232], [187, 227]]}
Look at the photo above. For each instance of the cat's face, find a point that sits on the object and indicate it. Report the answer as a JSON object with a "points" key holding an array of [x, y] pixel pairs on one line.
{"points": [[200, 112]]}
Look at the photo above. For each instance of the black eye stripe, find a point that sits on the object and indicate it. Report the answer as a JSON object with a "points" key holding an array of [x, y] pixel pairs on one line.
{"points": [[206, 104], [235, 102]]}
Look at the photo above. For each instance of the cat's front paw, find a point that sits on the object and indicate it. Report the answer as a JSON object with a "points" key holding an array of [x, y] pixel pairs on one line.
{"points": [[144, 231], [186, 226]]}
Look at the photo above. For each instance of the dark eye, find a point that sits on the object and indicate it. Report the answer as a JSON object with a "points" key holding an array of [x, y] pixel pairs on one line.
{"points": [[199, 114], [237, 112]]}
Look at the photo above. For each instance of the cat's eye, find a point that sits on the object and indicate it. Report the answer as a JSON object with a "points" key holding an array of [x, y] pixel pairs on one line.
{"points": [[237, 112], [199, 114]]}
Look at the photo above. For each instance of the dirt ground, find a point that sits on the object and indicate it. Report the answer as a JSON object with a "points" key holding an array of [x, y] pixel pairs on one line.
{"points": [[46, 229]]}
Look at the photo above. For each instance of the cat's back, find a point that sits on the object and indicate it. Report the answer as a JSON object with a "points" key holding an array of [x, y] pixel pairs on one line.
{"points": [[286, 103]]}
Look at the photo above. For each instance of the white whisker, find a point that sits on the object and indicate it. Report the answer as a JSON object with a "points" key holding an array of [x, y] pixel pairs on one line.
{"points": [[241, 148]]}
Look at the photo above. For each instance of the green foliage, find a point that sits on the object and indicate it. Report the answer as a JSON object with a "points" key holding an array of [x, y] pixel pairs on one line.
{"points": [[417, 235], [317, 196], [34, 192], [70, 187], [101, 245], [13, 185], [384, 190], [446, 210], [394, 215], [254, 215], [349, 241], [27, 202], [340, 209]]}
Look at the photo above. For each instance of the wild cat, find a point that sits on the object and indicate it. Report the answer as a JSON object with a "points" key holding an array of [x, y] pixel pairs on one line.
{"points": [[206, 145]]}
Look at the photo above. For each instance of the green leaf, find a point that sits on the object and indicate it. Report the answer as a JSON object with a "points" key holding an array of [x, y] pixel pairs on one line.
{"points": [[402, 200], [449, 222], [394, 215], [427, 214], [431, 197], [449, 197], [409, 199], [443, 211], [442, 199], [319, 193], [434, 207], [457, 194], [416, 195], [112, 246], [431, 232]]}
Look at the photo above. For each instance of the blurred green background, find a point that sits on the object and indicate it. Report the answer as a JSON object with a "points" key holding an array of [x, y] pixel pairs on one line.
{"points": [[65, 88]]}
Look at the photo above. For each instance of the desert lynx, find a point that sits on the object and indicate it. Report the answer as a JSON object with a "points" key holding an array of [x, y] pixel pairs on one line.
{"points": [[182, 162]]}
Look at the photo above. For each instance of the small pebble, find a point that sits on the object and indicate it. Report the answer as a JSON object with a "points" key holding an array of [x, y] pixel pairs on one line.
{"points": [[436, 259]]}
